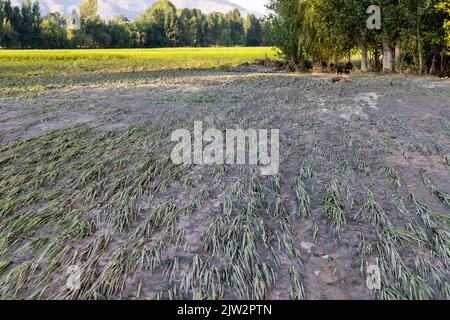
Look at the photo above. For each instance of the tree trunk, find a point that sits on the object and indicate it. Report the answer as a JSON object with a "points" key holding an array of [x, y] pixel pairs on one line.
{"points": [[387, 58], [433, 63], [420, 59], [364, 64], [376, 58], [419, 42], [397, 53]]}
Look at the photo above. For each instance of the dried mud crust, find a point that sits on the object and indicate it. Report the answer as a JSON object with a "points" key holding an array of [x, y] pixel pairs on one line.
{"points": [[86, 180]]}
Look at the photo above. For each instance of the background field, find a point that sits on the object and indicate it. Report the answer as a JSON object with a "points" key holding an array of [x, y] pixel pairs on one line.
{"points": [[32, 70], [86, 179]]}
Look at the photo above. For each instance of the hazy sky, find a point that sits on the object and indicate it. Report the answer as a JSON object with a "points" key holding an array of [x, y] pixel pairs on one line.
{"points": [[257, 5]]}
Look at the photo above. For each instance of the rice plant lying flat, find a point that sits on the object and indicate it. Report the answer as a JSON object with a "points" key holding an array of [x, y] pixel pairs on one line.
{"points": [[88, 186]]}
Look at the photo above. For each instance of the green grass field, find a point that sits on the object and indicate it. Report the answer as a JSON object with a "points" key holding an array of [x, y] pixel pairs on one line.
{"points": [[33, 70]]}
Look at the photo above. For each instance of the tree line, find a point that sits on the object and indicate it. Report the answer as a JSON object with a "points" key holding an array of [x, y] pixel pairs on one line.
{"points": [[414, 34], [161, 25]]}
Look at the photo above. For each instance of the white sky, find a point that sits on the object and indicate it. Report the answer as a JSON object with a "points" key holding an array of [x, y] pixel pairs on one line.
{"points": [[257, 5]]}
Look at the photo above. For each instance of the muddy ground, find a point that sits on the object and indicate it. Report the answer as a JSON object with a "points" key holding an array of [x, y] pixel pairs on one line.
{"points": [[86, 181]]}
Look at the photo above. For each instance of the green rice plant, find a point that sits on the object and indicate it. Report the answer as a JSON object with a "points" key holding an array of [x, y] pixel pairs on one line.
{"points": [[255, 184], [280, 214], [410, 284], [54, 257], [211, 282], [112, 279], [363, 167], [288, 245], [259, 289], [219, 171], [37, 295], [211, 239], [391, 292], [350, 141], [430, 218], [416, 287], [364, 250], [172, 268], [424, 150], [4, 264], [372, 211], [303, 198], [15, 281], [198, 201], [393, 175], [193, 274], [79, 229], [422, 210], [332, 203], [420, 234], [263, 280], [399, 205], [315, 231], [151, 259], [441, 239], [446, 158], [95, 248], [318, 150], [446, 126], [405, 235], [441, 196], [254, 206], [176, 294], [297, 288], [445, 290], [439, 148], [306, 171], [275, 182], [248, 255], [344, 166], [238, 282], [435, 272]]}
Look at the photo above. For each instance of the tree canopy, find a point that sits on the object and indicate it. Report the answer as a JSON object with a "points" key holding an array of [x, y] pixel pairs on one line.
{"points": [[414, 34], [160, 25]]}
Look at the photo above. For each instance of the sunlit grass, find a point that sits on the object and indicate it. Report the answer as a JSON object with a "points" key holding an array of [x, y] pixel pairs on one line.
{"points": [[32, 71], [50, 62]]}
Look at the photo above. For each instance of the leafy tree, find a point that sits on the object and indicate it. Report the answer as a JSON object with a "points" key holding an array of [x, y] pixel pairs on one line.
{"points": [[412, 33], [444, 6], [266, 32], [162, 15], [216, 22], [187, 31], [53, 32], [236, 25], [253, 31], [88, 10], [294, 27], [160, 25], [119, 33], [36, 26], [2, 16], [94, 29]]}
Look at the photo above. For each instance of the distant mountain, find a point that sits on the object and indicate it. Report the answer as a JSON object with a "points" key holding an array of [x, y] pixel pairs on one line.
{"points": [[132, 8]]}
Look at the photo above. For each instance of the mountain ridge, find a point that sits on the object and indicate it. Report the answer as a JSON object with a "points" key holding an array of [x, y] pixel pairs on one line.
{"points": [[133, 8]]}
